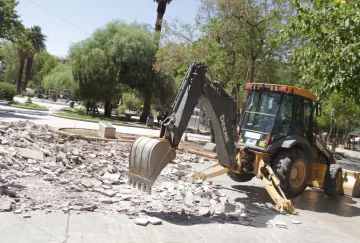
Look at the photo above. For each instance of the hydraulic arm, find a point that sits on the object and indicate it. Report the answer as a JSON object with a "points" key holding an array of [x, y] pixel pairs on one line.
{"points": [[148, 157]]}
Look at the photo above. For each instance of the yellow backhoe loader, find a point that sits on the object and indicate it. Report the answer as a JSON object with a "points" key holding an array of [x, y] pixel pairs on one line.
{"points": [[275, 141]]}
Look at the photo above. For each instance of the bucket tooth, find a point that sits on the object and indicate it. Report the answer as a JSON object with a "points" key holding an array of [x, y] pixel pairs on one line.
{"points": [[148, 157]]}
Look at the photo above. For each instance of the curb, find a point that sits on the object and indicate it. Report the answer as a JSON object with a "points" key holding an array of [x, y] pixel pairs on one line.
{"points": [[28, 108], [59, 131], [117, 124], [190, 151], [204, 154]]}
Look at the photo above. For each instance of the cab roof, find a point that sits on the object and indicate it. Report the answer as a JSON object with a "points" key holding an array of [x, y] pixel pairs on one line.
{"points": [[281, 88]]}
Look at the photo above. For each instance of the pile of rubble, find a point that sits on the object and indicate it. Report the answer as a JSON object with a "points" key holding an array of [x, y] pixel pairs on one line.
{"points": [[42, 170]]}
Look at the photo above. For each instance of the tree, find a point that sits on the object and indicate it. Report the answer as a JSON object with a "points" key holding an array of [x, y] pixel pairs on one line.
{"points": [[346, 114], [328, 48], [61, 77], [37, 39], [94, 72], [160, 13], [158, 25], [43, 64], [10, 25], [236, 42], [11, 61], [25, 49]]}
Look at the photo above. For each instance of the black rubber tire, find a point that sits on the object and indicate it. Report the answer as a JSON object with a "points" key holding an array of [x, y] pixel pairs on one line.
{"points": [[282, 166], [330, 180], [243, 177]]}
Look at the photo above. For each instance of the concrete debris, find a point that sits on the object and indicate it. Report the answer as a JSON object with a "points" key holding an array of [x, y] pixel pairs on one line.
{"points": [[296, 222], [229, 207], [18, 211], [42, 170], [5, 205], [281, 225], [26, 216], [204, 211], [87, 183], [31, 154], [141, 221], [155, 221]]}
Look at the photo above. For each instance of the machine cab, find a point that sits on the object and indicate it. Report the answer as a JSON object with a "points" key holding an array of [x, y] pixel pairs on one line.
{"points": [[273, 112]]}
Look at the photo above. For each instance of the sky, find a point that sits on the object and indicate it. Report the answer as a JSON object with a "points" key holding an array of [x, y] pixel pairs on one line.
{"points": [[88, 15]]}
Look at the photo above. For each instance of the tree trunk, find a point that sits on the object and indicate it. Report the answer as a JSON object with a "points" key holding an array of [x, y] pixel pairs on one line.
{"points": [[161, 11], [147, 104], [94, 107], [252, 70], [21, 71], [28, 72], [106, 111]]}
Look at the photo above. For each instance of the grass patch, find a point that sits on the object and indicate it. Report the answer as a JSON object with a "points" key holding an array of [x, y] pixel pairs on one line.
{"points": [[27, 105], [90, 118], [80, 111], [84, 132]]}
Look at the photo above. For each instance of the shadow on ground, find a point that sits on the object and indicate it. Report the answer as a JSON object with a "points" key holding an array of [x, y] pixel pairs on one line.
{"points": [[315, 200], [349, 163], [312, 199], [258, 218], [22, 114]]}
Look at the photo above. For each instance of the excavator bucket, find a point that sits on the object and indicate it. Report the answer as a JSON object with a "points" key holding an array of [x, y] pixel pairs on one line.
{"points": [[351, 183], [148, 157]]}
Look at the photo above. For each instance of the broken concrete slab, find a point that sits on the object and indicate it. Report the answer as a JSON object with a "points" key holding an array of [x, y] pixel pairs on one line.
{"points": [[229, 207], [155, 221], [210, 147], [87, 183], [141, 221], [5, 205], [204, 211], [31, 154]]}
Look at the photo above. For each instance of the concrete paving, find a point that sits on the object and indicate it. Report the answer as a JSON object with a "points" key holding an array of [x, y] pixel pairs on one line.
{"points": [[323, 219]]}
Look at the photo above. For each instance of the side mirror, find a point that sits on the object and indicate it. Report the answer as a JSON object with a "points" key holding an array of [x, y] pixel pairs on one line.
{"points": [[318, 109]]}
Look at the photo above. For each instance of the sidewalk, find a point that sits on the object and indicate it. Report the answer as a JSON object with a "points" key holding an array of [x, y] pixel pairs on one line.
{"points": [[58, 227]]}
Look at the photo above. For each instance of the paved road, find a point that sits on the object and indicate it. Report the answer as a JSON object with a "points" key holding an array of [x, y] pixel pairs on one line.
{"points": [[9, 114]]}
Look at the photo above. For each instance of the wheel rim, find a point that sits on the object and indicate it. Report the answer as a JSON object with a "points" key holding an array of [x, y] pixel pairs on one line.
{"points": [[338, 182], [297, 174]]}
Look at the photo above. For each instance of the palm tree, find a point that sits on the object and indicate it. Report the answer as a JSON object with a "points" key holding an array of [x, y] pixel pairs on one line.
{"points": [[160, 15], [24, 47], [161, 11], [37, 39]]}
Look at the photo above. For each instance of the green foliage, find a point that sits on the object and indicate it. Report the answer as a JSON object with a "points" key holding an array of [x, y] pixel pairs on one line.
{"points": [[31, 85], [347, 112], [43, 64], [37, 40], [61, 77], [131, 101], [236, 42], [27, 105], [11, 60], [10, 25], [7, 91], [118, 54], [94, 72], [328, 47]]}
